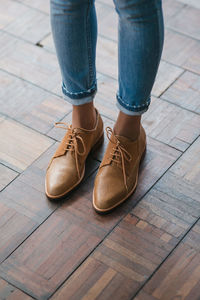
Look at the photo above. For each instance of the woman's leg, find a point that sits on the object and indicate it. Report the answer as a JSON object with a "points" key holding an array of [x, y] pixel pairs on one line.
{"points": [[74, 30], [140, 43]]}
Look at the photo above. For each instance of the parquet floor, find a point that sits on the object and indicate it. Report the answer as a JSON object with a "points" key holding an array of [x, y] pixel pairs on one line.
{"points": [[148, 248]]}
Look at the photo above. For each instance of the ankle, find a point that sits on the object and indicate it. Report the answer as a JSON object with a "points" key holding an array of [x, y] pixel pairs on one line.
{"points": [[84, 116], [127, 126], [123, 132]]}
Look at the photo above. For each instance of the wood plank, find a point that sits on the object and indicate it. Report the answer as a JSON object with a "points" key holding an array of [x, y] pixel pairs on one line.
{"points": [[6, 176], [107, 2], [170, 9], [185, 92], [10, 10], [187, 21], [74, 230], [166, 75], [171, 124], [140, 243], [9, 292], [106, 57], [29, 104], [29, 62], [179, 276], [193, 3], [107, 19], [24, 22], [105, 99], [37, 4], [184, 53], [14, 228], [20, 145], [187, 166]]}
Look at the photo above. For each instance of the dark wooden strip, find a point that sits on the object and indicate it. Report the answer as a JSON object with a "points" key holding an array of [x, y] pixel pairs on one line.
{"points": [[9, 292], [179, 276], [14, 228]]}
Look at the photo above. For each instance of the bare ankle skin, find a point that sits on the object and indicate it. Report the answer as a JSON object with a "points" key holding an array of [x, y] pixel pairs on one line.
{"points": [[84, 116], [128, 126]]}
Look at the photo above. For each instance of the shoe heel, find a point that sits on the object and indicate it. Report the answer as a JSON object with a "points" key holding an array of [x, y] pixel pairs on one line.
{"points": [[98, 144]]}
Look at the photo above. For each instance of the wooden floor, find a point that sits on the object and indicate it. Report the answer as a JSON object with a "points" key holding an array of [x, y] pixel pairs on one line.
{"points": [[148, 248]]}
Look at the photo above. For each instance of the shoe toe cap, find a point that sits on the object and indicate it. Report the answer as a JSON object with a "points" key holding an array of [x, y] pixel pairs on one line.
{"points": [[107, 194], [59, 181]]}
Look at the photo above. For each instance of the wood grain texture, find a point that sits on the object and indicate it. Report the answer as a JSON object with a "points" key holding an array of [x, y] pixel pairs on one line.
{"points": [[14, 228], [107, 20], [179, 276], [20, 146], [29, 104], [29, 62], [187, 21], [193, 3], [9, 292], [184, 53], [185, 92], [171, 124], [105, 99], [6, 176], [37, 4], [25, 22], [171, 8], [10, 11], [167, 74]]}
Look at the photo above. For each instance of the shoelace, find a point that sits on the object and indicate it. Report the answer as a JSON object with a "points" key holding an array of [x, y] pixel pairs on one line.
{"points": [[73, 142], [119, 151]]}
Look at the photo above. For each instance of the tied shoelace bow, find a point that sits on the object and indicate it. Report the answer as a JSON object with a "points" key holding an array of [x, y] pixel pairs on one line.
{"points": [[119, 151], [72, 143]]}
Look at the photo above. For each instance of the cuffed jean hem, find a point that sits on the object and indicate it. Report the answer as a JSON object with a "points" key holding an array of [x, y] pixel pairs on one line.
{"points": [[80, 97], [132, 110]]}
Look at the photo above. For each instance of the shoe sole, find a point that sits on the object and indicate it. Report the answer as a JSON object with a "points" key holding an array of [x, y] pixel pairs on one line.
{"points": [[60, 196], [108, 210]]}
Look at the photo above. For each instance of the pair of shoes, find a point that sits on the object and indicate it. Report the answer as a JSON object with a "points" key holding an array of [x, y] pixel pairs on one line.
{"points": [[117, 175], [66, 168]]}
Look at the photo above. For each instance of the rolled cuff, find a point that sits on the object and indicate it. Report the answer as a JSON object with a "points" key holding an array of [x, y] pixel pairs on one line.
{"points": [[79, 97], [132, 110]]}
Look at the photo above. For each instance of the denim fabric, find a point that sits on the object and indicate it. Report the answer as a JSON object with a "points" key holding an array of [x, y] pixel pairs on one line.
{"points": [[140, 44]]}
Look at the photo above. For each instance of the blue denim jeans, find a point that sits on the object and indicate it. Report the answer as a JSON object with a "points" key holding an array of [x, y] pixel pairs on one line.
{"points": [[140, 44]]}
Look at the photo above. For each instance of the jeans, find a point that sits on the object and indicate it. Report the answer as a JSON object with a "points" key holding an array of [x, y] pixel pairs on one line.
{"points": [[140, 44]]}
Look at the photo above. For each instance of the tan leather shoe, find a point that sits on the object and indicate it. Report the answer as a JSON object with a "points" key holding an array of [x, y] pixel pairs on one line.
{"points": [[117, 176], [66, 168]]}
